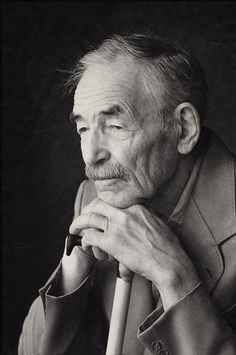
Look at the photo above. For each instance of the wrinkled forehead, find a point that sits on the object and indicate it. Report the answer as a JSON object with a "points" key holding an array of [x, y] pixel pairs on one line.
{"points": [[107, 84]]}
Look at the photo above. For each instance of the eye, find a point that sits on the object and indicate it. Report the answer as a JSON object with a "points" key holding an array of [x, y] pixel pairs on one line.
{"points": [[82, 130], [115, 127]]}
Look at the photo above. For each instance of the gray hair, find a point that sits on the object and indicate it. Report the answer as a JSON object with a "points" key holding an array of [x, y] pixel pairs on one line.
{"points": [[170, 75]]}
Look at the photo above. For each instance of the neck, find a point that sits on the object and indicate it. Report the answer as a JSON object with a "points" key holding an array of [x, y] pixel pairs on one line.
{"points": [[166, 200]]}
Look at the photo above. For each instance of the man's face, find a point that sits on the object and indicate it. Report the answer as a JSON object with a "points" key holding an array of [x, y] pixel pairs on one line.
{"points": [[123, 146]]}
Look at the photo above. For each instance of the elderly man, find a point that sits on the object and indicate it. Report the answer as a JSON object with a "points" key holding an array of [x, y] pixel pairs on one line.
{"points": [[159, 199]]}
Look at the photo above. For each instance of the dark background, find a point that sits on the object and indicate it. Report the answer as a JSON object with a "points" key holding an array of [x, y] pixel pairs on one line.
{"points": [[42, 165]]}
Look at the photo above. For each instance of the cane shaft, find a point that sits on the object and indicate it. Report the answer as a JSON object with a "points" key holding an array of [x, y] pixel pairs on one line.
{"points": [[118, 317]]}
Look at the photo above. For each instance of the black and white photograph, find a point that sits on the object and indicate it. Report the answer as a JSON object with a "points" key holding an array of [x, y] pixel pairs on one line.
{"points": [[118, 178]]}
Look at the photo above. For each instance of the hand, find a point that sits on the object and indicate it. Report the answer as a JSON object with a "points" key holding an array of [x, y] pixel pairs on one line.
{"points": [[142, 242]]}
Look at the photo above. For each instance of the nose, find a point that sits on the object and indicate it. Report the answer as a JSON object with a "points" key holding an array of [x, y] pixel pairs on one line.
{"points": [[94, 149]]}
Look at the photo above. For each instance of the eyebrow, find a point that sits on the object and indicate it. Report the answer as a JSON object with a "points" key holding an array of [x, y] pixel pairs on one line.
{"points": [[113, 110], [74, 117]]}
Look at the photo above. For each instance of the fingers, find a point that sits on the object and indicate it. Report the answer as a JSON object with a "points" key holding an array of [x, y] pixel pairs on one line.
{"points": [[95, 238], [98, 253], [100, 207], [93, 218], [76, 252], [85, 246], [88, 220]]}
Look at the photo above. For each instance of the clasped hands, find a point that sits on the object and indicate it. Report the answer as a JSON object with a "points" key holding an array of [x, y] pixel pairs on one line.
{"points": [[142, 242]]}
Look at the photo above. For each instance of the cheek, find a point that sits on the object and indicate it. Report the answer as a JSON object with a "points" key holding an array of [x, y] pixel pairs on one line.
{"points": [[162, 163], [125, 153], [83, 149], [147, 156], [136, 156], [157, 163], [125, 158]]}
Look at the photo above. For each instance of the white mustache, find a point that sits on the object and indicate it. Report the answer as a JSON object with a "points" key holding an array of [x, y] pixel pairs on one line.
{"points": [[105, 172]]}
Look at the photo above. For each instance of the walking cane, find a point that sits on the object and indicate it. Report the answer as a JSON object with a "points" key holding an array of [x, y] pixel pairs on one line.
{"points": [[119, 312], [120, 305]]}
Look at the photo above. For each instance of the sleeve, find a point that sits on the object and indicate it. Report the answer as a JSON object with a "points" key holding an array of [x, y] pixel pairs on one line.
{"points": [[193, 326], [53, 323], [59, 325], [33, 328]]}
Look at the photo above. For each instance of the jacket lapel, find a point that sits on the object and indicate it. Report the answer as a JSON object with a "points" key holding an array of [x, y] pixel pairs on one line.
{"points": [[215, 191], [210, 214], [201, 246]]}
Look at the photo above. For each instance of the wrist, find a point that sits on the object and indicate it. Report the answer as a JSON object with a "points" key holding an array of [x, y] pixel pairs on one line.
{"points": [[176, 284]]}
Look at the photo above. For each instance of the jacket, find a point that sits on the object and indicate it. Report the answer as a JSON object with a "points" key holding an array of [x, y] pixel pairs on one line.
{"points": [[203, 322]]}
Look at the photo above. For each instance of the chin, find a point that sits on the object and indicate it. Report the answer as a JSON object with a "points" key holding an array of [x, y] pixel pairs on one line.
{"points": [[118, 200]]}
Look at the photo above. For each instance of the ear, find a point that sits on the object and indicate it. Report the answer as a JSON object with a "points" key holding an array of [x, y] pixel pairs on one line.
{"points": [[189, 124]]}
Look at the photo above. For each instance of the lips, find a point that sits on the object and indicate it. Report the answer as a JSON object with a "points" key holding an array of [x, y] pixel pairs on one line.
{"points": [[107, 184], [100, 178]]}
